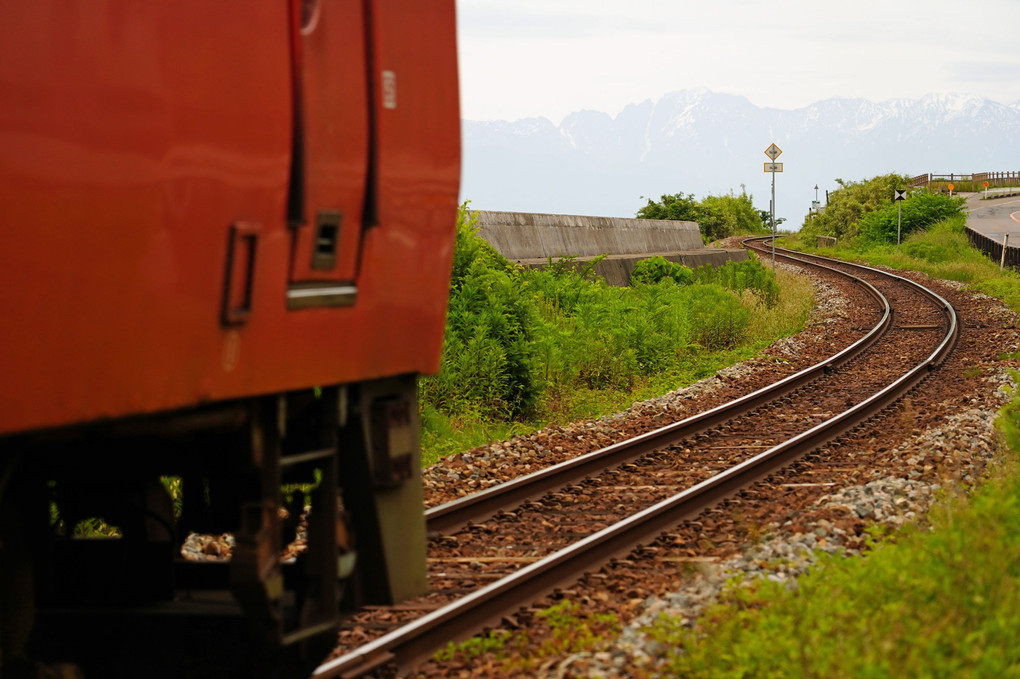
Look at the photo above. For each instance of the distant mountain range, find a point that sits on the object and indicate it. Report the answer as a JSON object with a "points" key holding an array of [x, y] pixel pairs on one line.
{"points": [[700, 142]]}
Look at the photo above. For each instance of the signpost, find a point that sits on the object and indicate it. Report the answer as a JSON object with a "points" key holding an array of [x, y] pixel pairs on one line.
{"points": [[899, 197], [773, 152]]}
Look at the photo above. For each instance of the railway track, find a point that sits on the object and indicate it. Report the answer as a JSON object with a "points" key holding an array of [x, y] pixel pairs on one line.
{"points": [[491, 553]]}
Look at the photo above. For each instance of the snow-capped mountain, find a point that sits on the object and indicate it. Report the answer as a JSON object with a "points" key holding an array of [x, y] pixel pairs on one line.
{"points": [[701, 142]]}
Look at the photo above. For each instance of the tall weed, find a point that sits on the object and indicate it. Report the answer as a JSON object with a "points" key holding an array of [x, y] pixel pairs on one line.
{"points": [[487, 362], [718, 318], [736, 276]]}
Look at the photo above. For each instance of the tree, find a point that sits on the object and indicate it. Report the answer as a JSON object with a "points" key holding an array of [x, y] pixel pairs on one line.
{"points": [[730, 215], [676, 206], [850, 202], [717, 216]]}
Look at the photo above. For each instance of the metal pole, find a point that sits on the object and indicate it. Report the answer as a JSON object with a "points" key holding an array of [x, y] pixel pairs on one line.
{"points": [[772, 206], [899, 219], [1005, 244]]}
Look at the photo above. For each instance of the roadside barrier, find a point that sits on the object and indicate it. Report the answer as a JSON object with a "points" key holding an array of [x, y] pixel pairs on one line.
{"points": [[993, 249]]}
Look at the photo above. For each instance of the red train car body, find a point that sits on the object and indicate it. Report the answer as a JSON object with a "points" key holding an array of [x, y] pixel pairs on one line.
{"points": [[224, 223], [144, 141]]}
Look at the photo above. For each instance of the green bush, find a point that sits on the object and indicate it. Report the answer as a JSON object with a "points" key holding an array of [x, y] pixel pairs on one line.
{"points": [[730, 215], [487, 364], [849, 203], [515, 335], [657, 269], [920, 210], [566, 283]]}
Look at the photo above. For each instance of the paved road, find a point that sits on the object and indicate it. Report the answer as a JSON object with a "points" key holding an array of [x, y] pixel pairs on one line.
{"points": [[995, 217]]}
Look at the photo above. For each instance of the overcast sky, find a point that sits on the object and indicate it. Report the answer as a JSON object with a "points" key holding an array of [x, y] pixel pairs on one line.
{"points": [[549, 58]]}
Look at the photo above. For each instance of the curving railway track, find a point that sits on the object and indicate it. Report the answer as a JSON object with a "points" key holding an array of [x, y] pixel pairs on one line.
{"points": [[498, 549]]}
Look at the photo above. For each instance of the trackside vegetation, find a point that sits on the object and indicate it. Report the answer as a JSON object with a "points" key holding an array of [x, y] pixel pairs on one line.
{"points": [[566, 628], [941, 251], [936, 599], [860, 214], [941, 599], [525, 348]]}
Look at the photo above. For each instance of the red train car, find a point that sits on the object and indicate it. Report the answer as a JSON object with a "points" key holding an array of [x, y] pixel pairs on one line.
{"points": [[227, 234]]}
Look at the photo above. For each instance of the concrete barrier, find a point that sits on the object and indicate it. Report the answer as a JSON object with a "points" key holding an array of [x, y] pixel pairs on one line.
{"points": [[531, 239], [523, 235]]}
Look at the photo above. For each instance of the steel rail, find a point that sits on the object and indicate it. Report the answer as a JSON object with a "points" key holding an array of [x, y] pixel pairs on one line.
{"points": [[944, 306], [456, 514], [485, 607]]}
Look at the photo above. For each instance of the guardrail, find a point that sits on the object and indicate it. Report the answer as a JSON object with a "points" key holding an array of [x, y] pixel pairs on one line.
{"points": [[993, 249], [974, 181], [996, 179], [1002, 192]]}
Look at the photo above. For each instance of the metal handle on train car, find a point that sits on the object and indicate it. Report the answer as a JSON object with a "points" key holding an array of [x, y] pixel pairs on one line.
{"points": [[237, 291]]}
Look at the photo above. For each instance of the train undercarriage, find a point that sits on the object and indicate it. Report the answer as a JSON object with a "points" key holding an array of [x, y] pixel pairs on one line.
{"points": [[338, 464]]}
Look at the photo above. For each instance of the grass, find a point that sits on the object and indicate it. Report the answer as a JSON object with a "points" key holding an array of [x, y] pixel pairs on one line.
{"points": [[941, 600], [942, 252], [565, 628]]}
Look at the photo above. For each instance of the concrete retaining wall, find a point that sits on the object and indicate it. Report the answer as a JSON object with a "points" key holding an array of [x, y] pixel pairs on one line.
{"points": [[531, 239], [522, 235]]}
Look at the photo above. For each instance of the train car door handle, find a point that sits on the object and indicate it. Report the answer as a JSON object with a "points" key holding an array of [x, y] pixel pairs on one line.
{"points": [[240, 273]]}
